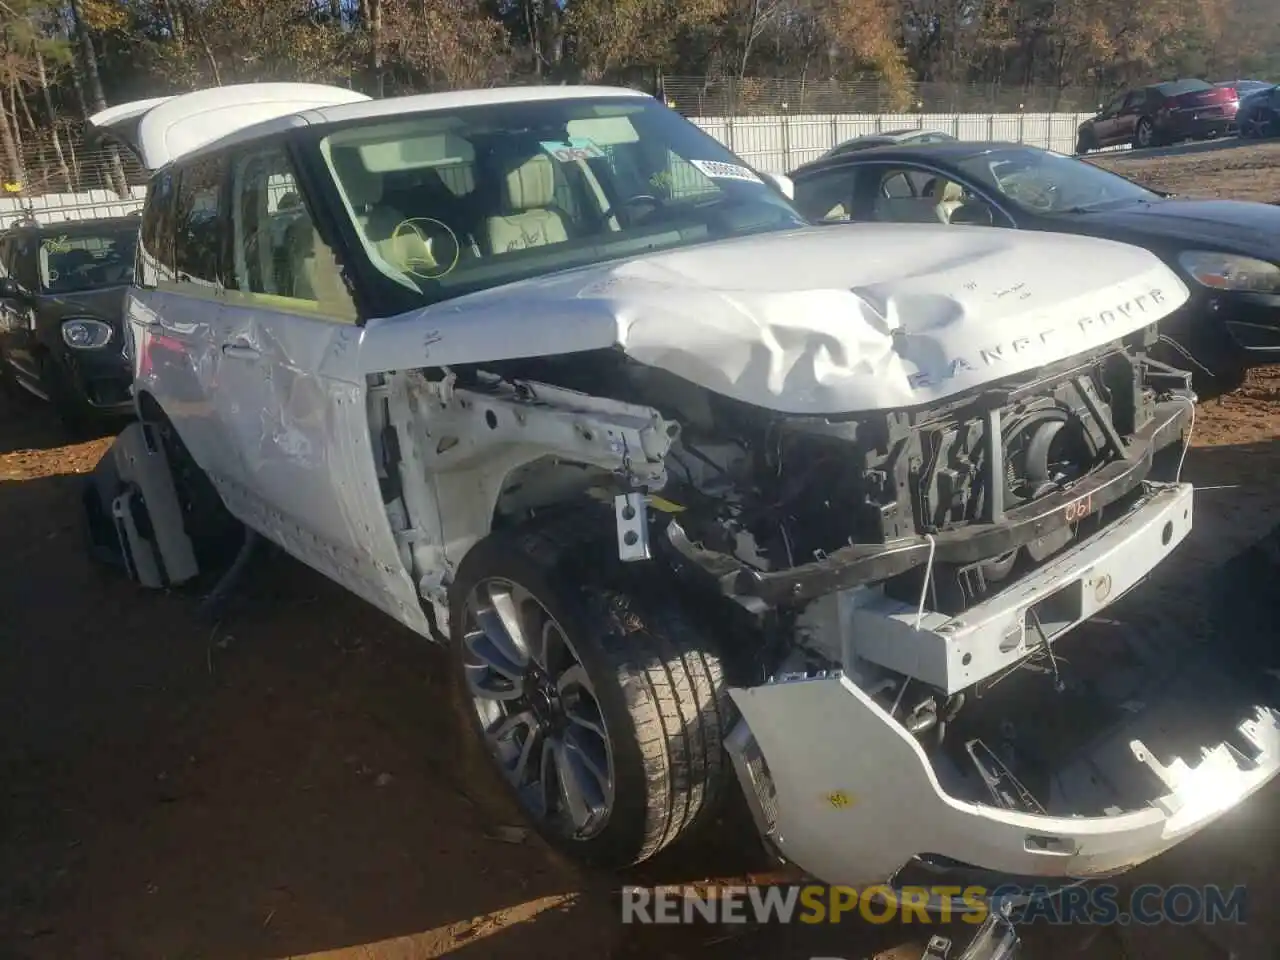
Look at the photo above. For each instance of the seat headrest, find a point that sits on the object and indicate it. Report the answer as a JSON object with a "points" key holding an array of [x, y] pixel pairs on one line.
{"points": [[531, 185], [363, 189]]}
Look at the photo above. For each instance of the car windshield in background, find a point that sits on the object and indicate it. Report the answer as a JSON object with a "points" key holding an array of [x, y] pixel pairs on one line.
{"points": [[1043, 182], [449, 203], [82, 260]]}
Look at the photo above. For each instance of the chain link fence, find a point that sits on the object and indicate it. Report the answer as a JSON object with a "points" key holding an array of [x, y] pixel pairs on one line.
{"points": [[63, 178], [758, 96]]}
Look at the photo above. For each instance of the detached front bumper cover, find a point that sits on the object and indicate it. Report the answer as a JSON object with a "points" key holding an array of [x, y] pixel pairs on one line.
{"points": [[847, 794]]}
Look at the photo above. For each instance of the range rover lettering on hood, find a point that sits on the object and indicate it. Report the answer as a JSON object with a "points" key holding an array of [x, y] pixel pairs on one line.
{"points": [[1056, 340]]}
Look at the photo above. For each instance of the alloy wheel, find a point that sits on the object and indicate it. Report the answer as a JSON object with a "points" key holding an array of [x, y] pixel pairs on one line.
{"points": [[538, 709]]}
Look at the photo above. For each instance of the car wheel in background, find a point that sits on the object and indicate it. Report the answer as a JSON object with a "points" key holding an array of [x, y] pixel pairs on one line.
{"points": [[1145, 135], [69, 408], [1085, 142]]}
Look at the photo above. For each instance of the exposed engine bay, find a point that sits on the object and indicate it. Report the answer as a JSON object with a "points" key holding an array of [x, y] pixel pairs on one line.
{"points": [[787, 508]]}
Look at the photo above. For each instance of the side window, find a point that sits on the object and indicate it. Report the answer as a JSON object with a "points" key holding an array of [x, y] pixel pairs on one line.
{"points": [[896, 186], [6, 249], [197, 238], [908, 195], [155, 240], [827, 196], [277, 251]]}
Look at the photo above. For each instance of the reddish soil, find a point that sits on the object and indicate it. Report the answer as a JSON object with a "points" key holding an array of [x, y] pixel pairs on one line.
{"points": [[292, 782]]}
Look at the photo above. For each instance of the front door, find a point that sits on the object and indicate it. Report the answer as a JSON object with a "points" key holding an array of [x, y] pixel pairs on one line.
{"points": [[1106, 125], [299, 420]]}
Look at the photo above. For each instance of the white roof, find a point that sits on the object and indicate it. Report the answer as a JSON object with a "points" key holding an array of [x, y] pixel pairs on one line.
{"points": [[238, 121], [163, 129]]}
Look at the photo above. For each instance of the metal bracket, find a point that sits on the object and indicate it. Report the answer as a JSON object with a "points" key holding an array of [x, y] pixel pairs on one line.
{"points": [[631, 513]]}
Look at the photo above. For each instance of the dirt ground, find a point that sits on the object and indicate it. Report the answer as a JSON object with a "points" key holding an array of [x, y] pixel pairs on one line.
{"points": [[292, 783], [1235, 171]]}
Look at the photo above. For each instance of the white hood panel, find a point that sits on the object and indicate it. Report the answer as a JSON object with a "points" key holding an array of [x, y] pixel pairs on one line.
{"points": [[837, 319]]}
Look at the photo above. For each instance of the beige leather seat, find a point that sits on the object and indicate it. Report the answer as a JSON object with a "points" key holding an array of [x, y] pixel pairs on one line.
{"points": [[528, 221], [948, 199], [315, 272]]}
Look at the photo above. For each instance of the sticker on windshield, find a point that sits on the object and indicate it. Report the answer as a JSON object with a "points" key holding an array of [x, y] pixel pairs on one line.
{"points": [[718, 170], [575, 148]]}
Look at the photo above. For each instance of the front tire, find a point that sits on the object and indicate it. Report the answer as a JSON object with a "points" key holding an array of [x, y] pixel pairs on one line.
{"points": [[1084, 143], [600, 703], [70, 409]]}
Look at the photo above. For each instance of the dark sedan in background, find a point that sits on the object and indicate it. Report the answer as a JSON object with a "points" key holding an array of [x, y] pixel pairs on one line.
{"points": [[1259, 113], [1227, 251], [1161, 113], [62, 289]]}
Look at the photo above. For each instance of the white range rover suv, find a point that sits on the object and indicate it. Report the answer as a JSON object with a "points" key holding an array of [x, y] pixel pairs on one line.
{"points": [[690, 487]]}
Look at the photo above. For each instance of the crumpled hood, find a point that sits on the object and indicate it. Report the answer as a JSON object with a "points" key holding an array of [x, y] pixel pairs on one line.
{"points": [[824, 320]]}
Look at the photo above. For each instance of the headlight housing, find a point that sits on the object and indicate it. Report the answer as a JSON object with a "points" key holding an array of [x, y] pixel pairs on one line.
{"points": [[85, 333], [1229, 271]]}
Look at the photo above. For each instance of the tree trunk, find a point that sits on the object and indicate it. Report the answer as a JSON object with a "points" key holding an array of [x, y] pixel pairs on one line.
{"points": [[47, 97], [97, 99], [14, 120], [375, 46], [171, 19], [12, 159]]}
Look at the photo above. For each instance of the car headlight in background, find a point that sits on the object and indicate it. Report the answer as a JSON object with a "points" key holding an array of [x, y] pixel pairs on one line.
{"points": [[82, 333], [1229, 271]]}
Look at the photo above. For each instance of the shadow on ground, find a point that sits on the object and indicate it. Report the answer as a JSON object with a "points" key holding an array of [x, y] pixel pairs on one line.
{"points": [[293, 781]]}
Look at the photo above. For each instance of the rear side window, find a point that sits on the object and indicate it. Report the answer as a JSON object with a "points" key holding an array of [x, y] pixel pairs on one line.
{"points": [[197, 251], [155, 241]]}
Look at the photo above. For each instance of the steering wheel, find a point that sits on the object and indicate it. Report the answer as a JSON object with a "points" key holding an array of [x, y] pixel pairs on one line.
{"points": [[1038, 195], [640, 198], [414, 242]]}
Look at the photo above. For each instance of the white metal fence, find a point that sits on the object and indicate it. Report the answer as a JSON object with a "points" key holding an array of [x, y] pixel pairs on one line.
{"points": [[56, 207], [776, 144]]}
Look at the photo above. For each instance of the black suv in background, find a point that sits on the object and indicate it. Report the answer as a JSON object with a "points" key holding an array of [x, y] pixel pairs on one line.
{"points": [[62, 290]]}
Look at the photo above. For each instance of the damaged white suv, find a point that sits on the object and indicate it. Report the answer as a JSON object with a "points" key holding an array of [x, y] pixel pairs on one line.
{"points": [[689, 486]]}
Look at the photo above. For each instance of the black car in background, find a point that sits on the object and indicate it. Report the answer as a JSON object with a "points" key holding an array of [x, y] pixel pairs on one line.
{"points": [[1244, 88], [1161, 113], [62, 290], [1227, 251], [1259, 113]]}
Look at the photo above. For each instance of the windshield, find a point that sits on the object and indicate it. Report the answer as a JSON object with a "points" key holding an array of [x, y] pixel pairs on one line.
{"points": [[83, 260], [451, 202], [1043, 182]]}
